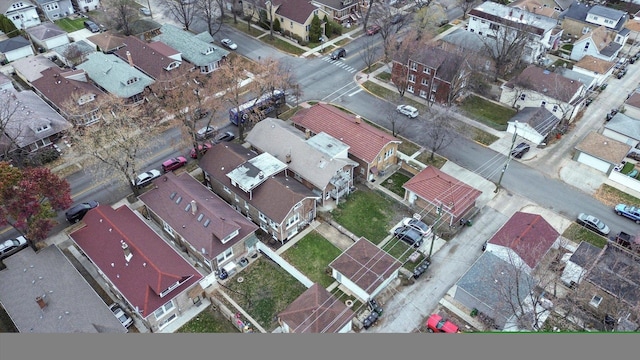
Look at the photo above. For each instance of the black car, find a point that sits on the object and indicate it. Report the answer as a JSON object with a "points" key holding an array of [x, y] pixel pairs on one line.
{"points": [[338, 53], [520, 150], [77, 212], [409, 235], [93, 27], [224, 137]]}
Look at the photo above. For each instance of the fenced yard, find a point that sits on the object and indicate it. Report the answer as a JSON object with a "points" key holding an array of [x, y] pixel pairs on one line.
{"points": [[311, 255]]}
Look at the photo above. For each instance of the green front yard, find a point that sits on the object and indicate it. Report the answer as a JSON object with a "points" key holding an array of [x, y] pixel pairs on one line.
{"points": [[70, 25], [487, 112], [208, 321], [266, 290], [577, 234], [311, 255]]}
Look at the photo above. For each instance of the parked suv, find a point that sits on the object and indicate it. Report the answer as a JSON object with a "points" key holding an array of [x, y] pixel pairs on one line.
{"points": [[12, 246], [409, 235], [77, 212], [520, 150], [93, 27], [338, 53]]}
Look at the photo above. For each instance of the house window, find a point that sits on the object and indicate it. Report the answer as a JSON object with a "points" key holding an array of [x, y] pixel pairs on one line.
{"points": [[414, 66], [274, 225], [586, 46], [555, 108], [432, 97], [293, 220], [246, 205], [50, 7], [132, 80], [236, 198], [226, 189], [388, 153], [163, 310], [42, 128], [423, 94], [412, 78], [224, 256], [426, 70], [410, 88], [595, 301], [585, 30], [543, 103], [230, 236], [291, 24], [169, 230], [424, 82], [262, 217], [494, 27], [523, 96]]}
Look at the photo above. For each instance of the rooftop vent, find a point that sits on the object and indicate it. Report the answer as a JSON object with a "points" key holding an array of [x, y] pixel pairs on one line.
{"points": [[127, 252], [194, 208], [41, 302]]}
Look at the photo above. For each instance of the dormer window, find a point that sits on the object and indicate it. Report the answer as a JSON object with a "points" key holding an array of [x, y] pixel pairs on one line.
{"points": [[132, 80], [209, 50], [42, 128], [173, 65], [230, 236], [86, 98]]}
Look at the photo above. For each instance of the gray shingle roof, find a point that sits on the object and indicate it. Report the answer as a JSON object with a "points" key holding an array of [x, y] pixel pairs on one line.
{"points": [[45, 31], [624, 125], [13, 43], [193, 49], [539, 118], [112, 74]]}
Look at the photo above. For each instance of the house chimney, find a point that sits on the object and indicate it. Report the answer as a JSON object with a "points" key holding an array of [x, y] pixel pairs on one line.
{"points": [[288, 159], [41, 302], [260, 176], [521, 16], [307, 134], [358, 119], [127, 252], [511, 13], [129, 58], [194, 207]]}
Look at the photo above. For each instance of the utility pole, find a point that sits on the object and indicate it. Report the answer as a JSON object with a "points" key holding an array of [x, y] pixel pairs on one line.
{"points": [[433, 230], [506, 164]]}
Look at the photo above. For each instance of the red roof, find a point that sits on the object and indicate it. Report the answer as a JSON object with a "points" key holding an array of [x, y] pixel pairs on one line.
{"points": [[365, 141], [153, 267], [439, 188], [528, 235]]}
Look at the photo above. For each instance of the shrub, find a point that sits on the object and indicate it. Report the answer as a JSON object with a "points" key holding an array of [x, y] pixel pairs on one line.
{"points": [[276, 25]]}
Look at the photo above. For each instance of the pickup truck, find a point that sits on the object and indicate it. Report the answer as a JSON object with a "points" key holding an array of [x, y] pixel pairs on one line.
{"points": [[627, 240]]}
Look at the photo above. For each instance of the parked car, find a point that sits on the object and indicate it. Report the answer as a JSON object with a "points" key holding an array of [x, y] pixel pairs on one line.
{"points": [[373, 29], [409, 235], [203, 148], [633, 173], [12, 246], [146, 178], [593, 223], [438, 324], [229, 44], [91, 26], [520, 150], [621, 73], [174, 163], [224, 137], [417, 224], [338, 53], [408, 110], [77, 212], [611, 114], [206, 132], [145, 11], [124, 318], [634, 156], [632, 212]]}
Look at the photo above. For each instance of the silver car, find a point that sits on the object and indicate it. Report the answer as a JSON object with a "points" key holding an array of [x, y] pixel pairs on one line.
{"points": [[408, 110], [124, 318], [593, 223]]}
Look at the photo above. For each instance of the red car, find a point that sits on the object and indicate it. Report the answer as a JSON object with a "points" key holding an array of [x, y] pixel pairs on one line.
{"points": [[436, 323], [373, 29], [202, 148], [173, 163]]}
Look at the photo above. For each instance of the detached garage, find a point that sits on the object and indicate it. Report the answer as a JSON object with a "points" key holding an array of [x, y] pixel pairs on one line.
{"points": [[600, 152]]}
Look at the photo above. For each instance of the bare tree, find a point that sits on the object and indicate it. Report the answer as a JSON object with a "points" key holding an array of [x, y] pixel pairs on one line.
{"points": [[460, 71], [369, 53], [251, 9], [439, 131], [10, 128], [121, 14], [506, 45], [391, 23], [465, 6], [428, 19], [182, 10], [73, 56], [212, 12]]}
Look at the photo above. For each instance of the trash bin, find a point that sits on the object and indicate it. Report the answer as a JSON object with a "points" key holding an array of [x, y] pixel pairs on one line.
{"points": [[468, 222]]}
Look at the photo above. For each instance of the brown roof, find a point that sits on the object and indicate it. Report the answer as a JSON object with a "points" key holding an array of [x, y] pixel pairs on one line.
{"points": [[365, 141], [439, 188], [218, 221], [275, 197], [540, 7], [154, 267], [595, 64], [147, 59], [600, 36], [528, 235], [57, 85], [107, 41], [548, 83], [316, 311], [366, 265], [633, 24], [634, 100], [296, 10], [603, 148]]}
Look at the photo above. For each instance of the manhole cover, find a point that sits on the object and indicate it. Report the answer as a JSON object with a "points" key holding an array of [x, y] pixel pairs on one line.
{"points": [[240, 279]]}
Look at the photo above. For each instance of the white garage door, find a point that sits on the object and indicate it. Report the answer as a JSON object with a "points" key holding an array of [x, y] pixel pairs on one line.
{"points": [[594, 162]]}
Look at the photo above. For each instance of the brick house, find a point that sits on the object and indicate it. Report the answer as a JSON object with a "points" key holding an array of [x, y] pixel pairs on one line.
{"points": [[295, 16], [258, 187], [375, 150]]}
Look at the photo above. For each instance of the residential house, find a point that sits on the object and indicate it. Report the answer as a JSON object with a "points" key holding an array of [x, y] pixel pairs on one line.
{"points": [[107, 42], [258, 187], [15, 48], [524, 240], [42, 292], [316, 311], [496, 288], [373, 149], [365, 269], [537, 87], [623, 128], [201, 54], [344, 12], [116, 76], [435, 192], [606, 281], [55, 9], [295, 16], [202, 224], [85, 6], [141, 269], [548, 8], [494, 20], [144, 57], [476, 50], [598, 68], [22, 13], [74, 53], [581, 18], [320, 162], [589, 81], [47, 36], [33, 124], [145, 29], [433, 74], [632, 105], [533, 123], [600, 152], [633, 25], [598, 43], [70, 93], [5, 82], [30, 69]]}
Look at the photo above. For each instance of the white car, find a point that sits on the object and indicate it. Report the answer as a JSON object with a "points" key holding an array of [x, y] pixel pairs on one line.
{"points": [[145, 179], [12, 246], [408, 110], [145, 11], [124, 318], [228, 43]]}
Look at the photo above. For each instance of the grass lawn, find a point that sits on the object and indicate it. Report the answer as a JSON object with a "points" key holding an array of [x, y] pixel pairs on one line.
{"points": [[366, 213], [611, 196], [577, 233], [343, 297], [267, 289], [289, 113], [395, 182], [70, 25], [282, 45], [483, 137], [373, 68], [425, 158], [208, 321], [407, 147], [381, 91], [444, 28], [384, 76], [487, 112], [401, 251], [311, 255], [242, 26]]}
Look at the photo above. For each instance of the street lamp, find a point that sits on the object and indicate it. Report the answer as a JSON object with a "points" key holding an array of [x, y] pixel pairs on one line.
{"points": [[506, 164], [321, 44]]}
